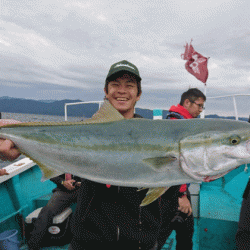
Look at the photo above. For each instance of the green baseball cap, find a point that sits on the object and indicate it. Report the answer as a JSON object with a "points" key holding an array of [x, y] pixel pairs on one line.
{"points": [[123, 66]]}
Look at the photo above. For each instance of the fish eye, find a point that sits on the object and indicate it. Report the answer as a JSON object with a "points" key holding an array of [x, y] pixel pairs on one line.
{"points": [[234, 140]]}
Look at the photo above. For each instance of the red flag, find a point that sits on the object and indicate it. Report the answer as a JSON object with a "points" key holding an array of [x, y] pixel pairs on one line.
{"points": [[188, 52], [196, 63]]}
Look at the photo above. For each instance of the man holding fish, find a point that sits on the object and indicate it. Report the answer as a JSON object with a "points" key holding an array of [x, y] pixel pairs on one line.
{"points": [[109, 216]]}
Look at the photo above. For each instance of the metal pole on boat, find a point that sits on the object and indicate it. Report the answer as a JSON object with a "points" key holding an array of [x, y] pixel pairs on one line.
{"points": [[235, 108], [202, 114], [65, 112]]}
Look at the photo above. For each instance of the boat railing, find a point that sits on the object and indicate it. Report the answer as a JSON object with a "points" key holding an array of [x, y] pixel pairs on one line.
{"points": [[234, 102], [77, 103], [202, 114], [16, 168]]}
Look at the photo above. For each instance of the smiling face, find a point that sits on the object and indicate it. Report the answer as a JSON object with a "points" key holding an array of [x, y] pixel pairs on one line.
{"points": [[122, 93]]}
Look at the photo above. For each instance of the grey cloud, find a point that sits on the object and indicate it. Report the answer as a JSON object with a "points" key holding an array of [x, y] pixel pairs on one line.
{"points": [[82, 39]]}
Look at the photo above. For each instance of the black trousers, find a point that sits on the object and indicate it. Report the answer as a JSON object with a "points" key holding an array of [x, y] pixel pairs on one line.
{"points": [[110, 246], [184, 231], [57, 203]]}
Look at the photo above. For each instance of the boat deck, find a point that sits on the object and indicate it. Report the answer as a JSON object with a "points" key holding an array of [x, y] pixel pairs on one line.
{"points": [[170, 243]]}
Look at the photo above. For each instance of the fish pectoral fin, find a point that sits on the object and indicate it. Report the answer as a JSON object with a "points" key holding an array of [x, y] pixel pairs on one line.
{"points": [[153, 194], [159, 163]]}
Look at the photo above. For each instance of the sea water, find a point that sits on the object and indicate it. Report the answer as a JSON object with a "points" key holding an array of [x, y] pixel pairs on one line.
{"points": [[38, 118]]}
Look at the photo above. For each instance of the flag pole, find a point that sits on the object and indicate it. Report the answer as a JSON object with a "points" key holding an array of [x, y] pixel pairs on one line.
{"points": [[205, 90], [202, 115]]}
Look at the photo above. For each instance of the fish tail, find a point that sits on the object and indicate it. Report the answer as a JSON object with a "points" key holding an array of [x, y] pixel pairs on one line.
{"points": [[47, 173], [153, 194]]}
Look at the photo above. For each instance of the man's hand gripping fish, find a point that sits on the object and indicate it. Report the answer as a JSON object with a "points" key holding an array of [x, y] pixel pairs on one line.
{"points": [[154, 154]]}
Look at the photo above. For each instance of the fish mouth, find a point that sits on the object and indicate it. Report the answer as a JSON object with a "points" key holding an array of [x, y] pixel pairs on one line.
{"points": [[214, 177], [248, 146]]}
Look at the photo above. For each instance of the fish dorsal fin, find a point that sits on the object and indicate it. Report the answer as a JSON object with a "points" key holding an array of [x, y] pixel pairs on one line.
{"points": [[107, 113]]}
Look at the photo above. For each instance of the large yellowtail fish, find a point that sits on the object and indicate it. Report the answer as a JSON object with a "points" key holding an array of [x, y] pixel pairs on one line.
{"points": [[154, 154]]}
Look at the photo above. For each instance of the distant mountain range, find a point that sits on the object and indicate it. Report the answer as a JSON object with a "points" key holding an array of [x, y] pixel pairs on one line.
{"points": [[53, 107], [44, 107]]}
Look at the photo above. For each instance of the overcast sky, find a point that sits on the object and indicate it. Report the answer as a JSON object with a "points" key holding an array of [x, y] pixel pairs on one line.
{"points": [[64, 49]]}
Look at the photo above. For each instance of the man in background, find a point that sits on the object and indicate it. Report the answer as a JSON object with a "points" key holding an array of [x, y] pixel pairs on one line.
{"points": [[191, 105], [63, 196]]}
